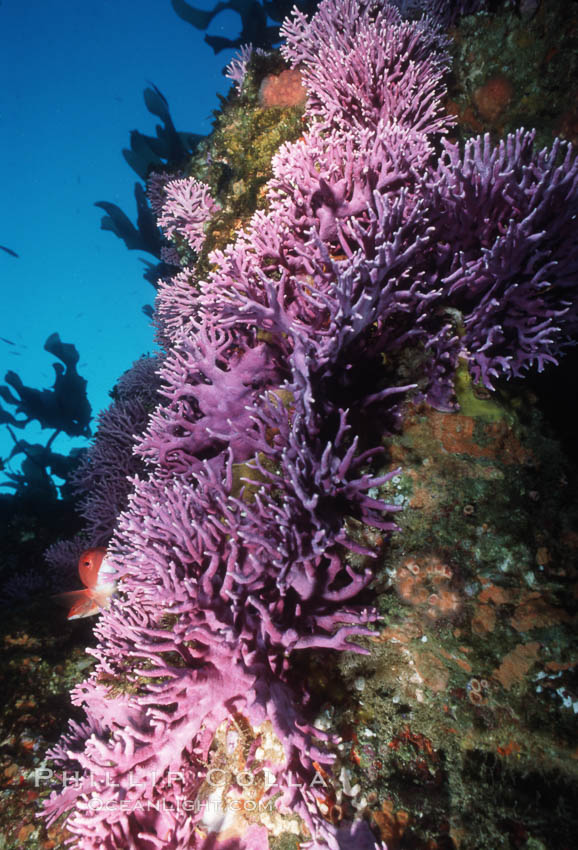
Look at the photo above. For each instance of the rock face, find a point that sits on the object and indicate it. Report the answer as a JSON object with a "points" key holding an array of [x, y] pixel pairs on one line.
{"points": [[464, 732]]}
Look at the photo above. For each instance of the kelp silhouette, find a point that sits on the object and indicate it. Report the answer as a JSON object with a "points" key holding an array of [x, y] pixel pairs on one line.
{"points": [[145, 236], [65, 407], [255, 28], [167, 150]]}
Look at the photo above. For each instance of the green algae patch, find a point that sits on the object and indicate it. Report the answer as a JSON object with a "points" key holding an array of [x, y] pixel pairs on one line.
{"points": [[476, 401], [235, 160]]}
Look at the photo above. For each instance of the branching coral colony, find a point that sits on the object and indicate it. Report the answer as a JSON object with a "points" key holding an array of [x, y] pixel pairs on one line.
{"points": [[232, 553]]}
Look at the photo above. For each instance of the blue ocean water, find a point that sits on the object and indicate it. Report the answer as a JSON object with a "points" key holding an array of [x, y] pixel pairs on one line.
{"points": [[73, 76]]}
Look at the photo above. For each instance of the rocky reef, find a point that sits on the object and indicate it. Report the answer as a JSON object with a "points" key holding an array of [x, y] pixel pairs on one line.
{"points": [[345, 568]]}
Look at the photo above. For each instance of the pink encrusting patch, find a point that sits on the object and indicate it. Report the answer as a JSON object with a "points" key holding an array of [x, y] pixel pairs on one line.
{"points": [[284, 90]]}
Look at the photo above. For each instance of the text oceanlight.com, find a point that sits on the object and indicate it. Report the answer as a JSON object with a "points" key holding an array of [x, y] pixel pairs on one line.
{"points": [[180, 804]]}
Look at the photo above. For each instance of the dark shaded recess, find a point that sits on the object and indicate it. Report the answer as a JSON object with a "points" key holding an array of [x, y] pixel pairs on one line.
{"points": [[30, 523], [523, 799], [255, 16], [46, 633], [520, 7], [556, 389], [347, 385]]}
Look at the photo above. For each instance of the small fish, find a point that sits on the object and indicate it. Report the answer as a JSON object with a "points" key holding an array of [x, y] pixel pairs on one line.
{"points": [[7, 341], [96, 575], [9, 251]]}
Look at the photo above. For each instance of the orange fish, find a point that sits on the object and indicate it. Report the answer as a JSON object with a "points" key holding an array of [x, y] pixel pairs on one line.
{"points": [[96, 575]]}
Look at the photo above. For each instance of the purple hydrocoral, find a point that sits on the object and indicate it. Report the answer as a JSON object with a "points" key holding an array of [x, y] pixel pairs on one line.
{"points": [[313, 491], [205, 559], [236, 70], [166, 731], [328, 179], [348, 263], [102, 480], [177, 309], [363, 64], [183, 207], [209, 381], [186, 206], [62, 561], [156, 186], [506, 250]]}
